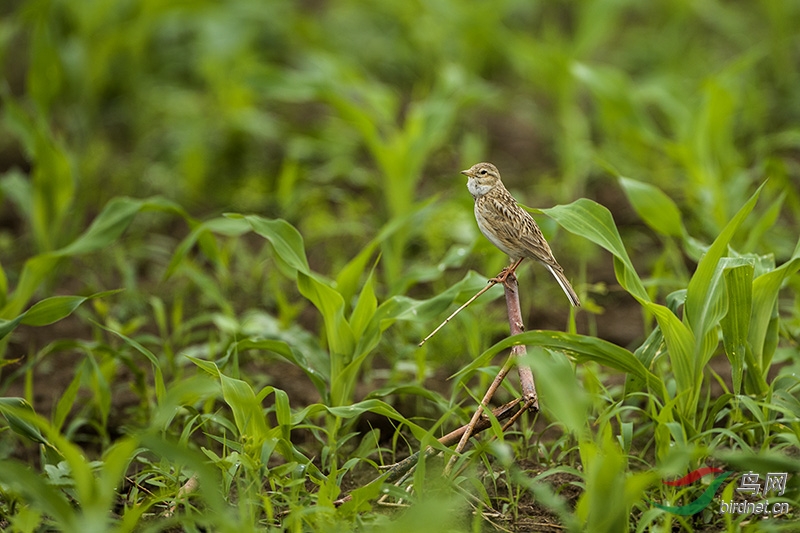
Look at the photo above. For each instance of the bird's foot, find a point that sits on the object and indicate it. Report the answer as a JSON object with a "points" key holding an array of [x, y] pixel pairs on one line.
{"points": [[503, 276]]}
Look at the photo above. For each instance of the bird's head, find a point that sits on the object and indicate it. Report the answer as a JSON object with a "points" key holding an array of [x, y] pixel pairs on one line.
{"points": [[481, 178]]}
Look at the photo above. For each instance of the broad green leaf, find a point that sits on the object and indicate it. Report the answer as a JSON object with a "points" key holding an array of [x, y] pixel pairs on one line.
{"points": [[19, 424], [283, 414], [680, 342], [286, 240], [365, 307], [736, 322], [763, 328], [113, 220], [48, 311], [423, 311], [247, 411], [715, 309], [646, 353], [55, 308], [699, 312], [185, 392], [654, 207], [339, 334], [593, 221], [580, 347], [331, 305], [566, 400]]}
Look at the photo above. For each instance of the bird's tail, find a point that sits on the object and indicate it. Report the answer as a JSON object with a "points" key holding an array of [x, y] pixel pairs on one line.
{"points": [[562, 280]]}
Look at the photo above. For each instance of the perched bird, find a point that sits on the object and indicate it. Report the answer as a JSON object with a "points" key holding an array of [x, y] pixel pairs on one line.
{"points": [[509, 227]]}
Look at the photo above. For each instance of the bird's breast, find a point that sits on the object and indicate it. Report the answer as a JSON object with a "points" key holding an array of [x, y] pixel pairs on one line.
{"points": [[489, 228]]}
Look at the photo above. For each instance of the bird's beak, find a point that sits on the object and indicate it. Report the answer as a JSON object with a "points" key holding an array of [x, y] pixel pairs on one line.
{"points": [[465, 172]]}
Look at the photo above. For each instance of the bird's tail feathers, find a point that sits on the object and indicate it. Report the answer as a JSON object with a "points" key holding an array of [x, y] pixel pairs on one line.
{"points": [[562, 280]]}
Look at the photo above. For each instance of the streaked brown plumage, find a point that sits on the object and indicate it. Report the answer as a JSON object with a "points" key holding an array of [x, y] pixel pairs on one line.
{"points": [[509, 227]]}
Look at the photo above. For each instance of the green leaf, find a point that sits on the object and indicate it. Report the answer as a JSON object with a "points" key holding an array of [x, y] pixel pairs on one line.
{"points": [[657, 209], [593, 221], [247, 411], [283, 414], [318, 376], [18, 423], [365, 307], [286, 240], [338, 332], [763, 333], [113, 221], [567, 402], [581, 348], [646, 353], [736, 322], [699, 310], [331, 305], [423, 311], [48, 311]]}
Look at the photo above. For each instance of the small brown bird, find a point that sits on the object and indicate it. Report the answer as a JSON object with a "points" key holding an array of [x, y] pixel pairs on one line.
{"points": [[509, 227]]}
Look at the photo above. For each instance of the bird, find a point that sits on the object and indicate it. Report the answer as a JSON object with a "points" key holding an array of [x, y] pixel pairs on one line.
{"points": [[509, 227]]}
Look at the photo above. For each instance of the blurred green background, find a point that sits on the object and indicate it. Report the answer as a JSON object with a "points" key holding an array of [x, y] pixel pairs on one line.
{"points": [[343, 116]]}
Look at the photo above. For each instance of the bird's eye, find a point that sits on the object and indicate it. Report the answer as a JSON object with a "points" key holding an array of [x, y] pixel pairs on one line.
{"points": [[482, 172]]}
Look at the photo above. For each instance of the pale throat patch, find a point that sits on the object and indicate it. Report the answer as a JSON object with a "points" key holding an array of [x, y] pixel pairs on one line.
{"points": [[476, 189]]}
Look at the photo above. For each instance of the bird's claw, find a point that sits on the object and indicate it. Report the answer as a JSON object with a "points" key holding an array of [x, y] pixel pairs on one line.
{"points": [[503, 276]]}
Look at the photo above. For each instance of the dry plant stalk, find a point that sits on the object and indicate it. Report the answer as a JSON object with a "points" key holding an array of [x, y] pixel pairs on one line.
{"points": [[527, 384]]}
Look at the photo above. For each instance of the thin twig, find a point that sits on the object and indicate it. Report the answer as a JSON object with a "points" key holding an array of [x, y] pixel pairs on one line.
{"points": [[491, 284], [470, 428], [500, 278]]}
